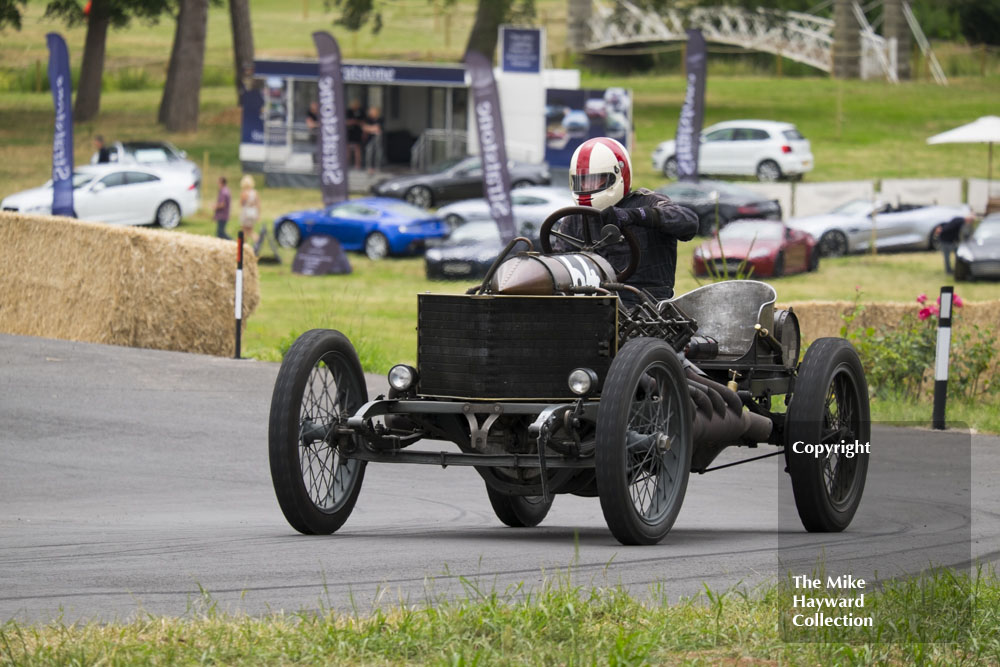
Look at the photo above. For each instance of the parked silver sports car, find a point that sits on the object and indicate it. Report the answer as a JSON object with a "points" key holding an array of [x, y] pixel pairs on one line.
{"points": [[848, 228]]}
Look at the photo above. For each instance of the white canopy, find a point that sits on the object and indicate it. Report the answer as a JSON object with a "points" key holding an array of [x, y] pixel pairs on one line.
{"points": [[982, 131]]}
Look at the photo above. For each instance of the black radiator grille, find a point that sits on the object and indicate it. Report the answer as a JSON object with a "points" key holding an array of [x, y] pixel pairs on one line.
{"points": [[511, 347]]}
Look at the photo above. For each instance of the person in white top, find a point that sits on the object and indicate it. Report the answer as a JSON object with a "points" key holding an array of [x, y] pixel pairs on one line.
{"points": [[249, 208]]}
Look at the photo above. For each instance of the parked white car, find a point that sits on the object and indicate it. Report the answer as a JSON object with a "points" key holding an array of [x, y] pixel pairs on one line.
{"points": [[158, 154], [532, 203], [766, 149], [119, 194]]}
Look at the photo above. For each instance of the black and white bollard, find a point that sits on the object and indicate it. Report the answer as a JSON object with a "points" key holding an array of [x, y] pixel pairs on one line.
{"points": [[239, 293], [941, 358]]}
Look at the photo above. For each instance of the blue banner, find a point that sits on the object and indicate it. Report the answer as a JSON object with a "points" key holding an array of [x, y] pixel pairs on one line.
{"points": [[62, 142], [332, 147], [693, 111], [492, 149]]}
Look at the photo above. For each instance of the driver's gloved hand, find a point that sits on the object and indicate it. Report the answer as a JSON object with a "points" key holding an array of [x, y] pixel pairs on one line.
{"points": [[647, 216]]}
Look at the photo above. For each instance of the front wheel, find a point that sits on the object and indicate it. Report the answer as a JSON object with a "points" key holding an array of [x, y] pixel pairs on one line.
{"points": [[829, 406], [377, 246], [168, 215], [670, 168], [519, 511], [319, 385], [643, 449]]}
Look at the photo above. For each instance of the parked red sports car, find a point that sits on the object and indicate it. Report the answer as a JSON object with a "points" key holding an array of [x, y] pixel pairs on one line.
{"points": [[769, 246]]}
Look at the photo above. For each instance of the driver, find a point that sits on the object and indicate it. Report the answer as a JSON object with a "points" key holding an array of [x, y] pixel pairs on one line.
{"points": [[600, 175]]}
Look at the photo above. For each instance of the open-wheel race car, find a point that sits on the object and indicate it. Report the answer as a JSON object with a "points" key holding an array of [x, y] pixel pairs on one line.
{"points": [[553, 376]]}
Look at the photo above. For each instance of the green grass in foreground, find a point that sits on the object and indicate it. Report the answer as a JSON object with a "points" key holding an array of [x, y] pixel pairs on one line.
{"points": [[557, 624]]}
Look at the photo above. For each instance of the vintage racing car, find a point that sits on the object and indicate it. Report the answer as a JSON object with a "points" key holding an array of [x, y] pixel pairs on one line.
{"points": [[549, 384]]}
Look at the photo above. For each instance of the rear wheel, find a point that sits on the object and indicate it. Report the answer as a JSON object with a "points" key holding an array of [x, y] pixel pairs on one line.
{"points": [[377, 246], [643, 448], [833, 244], [829, 406], [519, 511], [168, 215], [670, 168], [768, 171], [320, 384], [289, 235]]}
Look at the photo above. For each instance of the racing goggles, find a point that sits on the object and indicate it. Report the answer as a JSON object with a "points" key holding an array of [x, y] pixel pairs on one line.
{"points": [[588, 184]]}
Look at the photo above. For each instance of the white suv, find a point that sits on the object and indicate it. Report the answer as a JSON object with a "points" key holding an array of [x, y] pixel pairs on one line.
{"points": [[763, 148]]}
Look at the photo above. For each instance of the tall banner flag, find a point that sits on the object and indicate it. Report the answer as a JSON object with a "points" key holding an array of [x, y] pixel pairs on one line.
{"points": [[62, 142], [693, 111], [492, 150], [332, 145]]}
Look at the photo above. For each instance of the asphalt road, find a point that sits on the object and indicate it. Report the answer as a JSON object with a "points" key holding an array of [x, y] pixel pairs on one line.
{"points": [[137, 480]]}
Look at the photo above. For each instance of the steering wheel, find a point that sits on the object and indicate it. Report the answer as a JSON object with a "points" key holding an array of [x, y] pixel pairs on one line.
{"points": [[610, 234]]}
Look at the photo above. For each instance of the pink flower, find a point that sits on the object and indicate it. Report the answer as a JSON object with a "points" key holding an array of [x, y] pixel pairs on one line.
{"points": [[924, 314], [922, 298], [957, 301], [934, 310]]}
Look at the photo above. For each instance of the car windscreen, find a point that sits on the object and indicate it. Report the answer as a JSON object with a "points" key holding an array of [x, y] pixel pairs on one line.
{"points": [[987, 229], [404, 210], [740, 231], [855, 207]]}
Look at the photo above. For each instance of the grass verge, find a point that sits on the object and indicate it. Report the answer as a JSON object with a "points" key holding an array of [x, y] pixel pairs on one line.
{"points": [[557, 624]]}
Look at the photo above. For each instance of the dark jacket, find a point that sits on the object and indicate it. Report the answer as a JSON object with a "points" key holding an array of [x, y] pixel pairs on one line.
{"points": [[657, 242], [951, 230]]}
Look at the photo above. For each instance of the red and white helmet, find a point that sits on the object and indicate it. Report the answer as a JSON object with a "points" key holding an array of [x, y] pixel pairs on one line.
{"points": [[600, 173]]}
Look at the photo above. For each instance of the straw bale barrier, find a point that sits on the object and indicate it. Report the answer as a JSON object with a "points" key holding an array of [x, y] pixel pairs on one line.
{"points": [[91, 282], [819, 319]]}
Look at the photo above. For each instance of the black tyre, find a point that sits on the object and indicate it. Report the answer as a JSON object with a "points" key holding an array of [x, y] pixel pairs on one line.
{"points": [[779, 265], [289, 235], [320, 384], [814, 259], [829, 405], [643, 448], [420, 195], [377, 246], [670, 168], [168, 215], [768, 171], [833, 244], [519, 511]]}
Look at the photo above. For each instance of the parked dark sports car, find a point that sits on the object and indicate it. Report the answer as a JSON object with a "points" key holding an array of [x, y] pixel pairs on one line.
{"points": [[378, 227], [471, 249], [459, 178], [735, 203], [771, 248], [979, 256]]}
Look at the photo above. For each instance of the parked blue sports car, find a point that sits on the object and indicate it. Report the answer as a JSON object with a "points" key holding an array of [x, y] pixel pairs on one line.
{"points": [[377, 226]]}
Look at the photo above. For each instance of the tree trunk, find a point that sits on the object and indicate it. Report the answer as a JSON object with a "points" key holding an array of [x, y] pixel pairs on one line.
{"points": [[489, 15], [88, 92], [181, 93], [239, 15]]}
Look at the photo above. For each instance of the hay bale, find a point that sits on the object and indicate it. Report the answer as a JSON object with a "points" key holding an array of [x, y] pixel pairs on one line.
{"points": [[131, 286], [819, 319]]}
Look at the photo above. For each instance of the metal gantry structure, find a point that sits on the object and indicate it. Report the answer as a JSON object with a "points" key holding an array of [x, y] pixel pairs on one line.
{"points": [[799, 36]]}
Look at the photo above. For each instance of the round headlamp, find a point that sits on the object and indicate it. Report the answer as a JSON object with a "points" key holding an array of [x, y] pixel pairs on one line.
{"points": [[402, 377], [582, 381]]}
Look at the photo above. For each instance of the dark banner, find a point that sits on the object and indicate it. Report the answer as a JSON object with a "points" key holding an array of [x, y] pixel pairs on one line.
{"points": [[693, 111], [332, 142], [496, 177], [62, 141]]}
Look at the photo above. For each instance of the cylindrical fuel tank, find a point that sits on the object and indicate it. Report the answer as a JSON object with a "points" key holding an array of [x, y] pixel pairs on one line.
{"points": [[540, 275]]}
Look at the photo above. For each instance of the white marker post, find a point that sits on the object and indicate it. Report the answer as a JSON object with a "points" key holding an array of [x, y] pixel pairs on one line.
{"points": [[239, 293], [941, 358]]}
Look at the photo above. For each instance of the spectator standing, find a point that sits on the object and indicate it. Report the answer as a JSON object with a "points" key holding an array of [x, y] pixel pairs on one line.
{"points": [[312, 122], [951, 231], [103, 152], [354, 119], [222, 203], [249, 208], [372, 132]]}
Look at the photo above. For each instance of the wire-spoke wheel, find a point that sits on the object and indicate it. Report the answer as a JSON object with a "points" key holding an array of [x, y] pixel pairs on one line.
{"points": [[319, 385], [643, 455], [828, 407]]}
